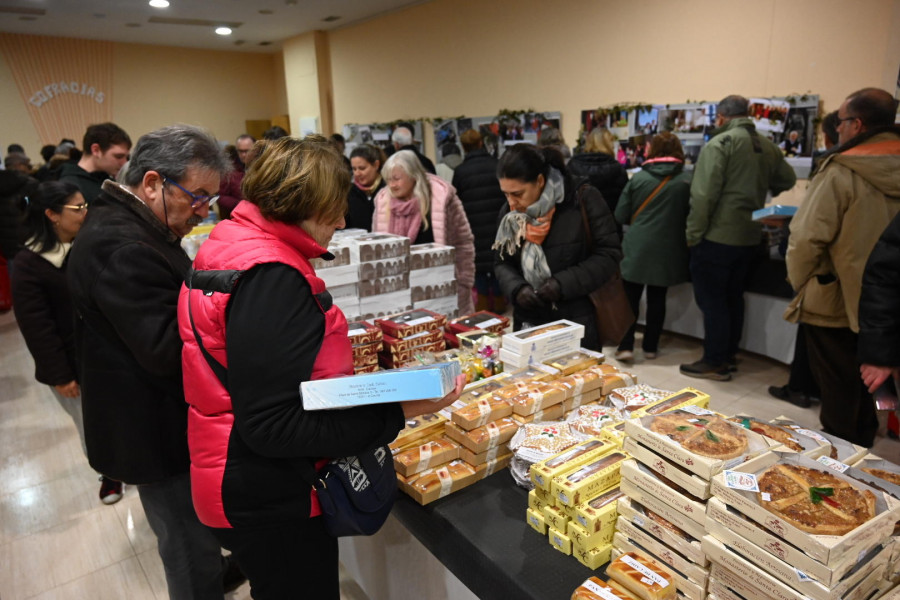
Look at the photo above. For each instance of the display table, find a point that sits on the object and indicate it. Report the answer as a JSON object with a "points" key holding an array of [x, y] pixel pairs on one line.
{"points": [[474, 543]]}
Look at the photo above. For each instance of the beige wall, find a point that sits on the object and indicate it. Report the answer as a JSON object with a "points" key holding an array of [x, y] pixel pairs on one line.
{"points": [[452, 57], [301, 78], [155, 86]]}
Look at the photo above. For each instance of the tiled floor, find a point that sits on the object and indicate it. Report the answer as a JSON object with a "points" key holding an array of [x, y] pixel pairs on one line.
{"points": [[58, 542]]}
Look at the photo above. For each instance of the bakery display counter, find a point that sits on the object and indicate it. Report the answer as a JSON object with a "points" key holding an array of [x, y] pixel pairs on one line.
{"points": [[474, 543]]}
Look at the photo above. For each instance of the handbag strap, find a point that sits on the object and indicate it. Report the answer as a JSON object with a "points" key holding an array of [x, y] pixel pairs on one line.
{"points": [[650, 197], [209, 282], [589, 240]]}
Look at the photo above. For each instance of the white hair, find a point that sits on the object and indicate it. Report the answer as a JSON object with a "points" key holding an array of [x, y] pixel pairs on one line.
{"points": [[402, 136], [408, 162]]}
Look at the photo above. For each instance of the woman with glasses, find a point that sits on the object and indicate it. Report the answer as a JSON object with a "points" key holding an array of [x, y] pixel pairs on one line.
{"points": [[43, 306]]}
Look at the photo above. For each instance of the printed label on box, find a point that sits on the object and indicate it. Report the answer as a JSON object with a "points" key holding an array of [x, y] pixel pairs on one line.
{"points": [[741, 481], [604, 593], [833, 464], [696, 410], [647, 576]]}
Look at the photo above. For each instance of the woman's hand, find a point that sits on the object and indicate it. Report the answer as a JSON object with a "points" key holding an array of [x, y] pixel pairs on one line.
{"points": [[550, 291], [424, 407], [526, 298], [68, 390]]}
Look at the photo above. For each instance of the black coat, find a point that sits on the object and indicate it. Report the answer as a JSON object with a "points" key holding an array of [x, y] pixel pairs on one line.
{"points": [[566, 250], [603, 172], [44, 314], [360, 207], [475, 180], [125, 273], [879, 302], [426, 162], [13, 186]]}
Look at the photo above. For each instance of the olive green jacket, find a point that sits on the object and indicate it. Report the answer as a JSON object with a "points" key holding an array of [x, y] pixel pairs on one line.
{"points": [[730, 181], [654, 246]]}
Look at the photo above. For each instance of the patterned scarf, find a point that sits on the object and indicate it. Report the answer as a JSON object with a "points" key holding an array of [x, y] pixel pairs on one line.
{"points": [[528, 230]]}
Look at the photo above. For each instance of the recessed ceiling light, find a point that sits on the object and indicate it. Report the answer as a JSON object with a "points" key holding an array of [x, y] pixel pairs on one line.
{"points": [[266, 11], [223, 30], [159, 3], [265, 43], [331, 19]]}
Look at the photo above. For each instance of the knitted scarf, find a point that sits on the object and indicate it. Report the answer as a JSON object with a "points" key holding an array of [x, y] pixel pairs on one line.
{"points": [[527, 230], [406, 219]]}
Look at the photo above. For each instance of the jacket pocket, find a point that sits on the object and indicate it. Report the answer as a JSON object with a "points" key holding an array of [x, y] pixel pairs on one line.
{"points": [[823, 300]]}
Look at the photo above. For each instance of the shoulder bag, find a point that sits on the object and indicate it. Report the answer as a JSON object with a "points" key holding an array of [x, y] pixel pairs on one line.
{"points": [[356, 493], [613, 313]]}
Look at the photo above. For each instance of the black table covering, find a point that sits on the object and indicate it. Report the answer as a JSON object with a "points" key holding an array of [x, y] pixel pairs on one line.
{"points": [[480, 534]]}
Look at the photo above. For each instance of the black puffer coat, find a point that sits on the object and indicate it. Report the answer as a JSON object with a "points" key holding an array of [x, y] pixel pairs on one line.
{"points": [[566, 250], [125, 273], [476, 185], [879, 302], [603, 172], [360, 207], [13, 186]]}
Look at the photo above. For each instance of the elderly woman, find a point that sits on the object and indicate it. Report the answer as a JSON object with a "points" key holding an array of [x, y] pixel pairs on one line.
{"points": [[545, 262], [425, 208], [366, 161], [655, 204], [253, 446], [598, 163]]}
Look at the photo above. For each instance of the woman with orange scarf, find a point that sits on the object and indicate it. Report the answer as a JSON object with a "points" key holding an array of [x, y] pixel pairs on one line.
{"points": [[550, 255]]}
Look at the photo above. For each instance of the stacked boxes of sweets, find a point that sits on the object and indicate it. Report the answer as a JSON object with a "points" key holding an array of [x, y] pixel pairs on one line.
{"points": [[432, 278], [365, 341], [677, 446], [409, 334], [786, 525], [537, 344], [383, 263], [574, 498], [630, 576], [341, 276]]}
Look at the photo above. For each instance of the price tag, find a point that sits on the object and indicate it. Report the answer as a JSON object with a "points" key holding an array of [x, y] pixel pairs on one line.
{"points": [[810, 434], [425, 454], [648, 577], [493, 431], [602, 592], [638, 520], [696, 410], [803, 577], [353, 332], [766, 497], [833, 464], [741, 481]]}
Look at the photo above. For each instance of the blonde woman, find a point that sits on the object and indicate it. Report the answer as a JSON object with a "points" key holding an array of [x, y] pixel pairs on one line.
{"points": [[425, 208], [598, 163]]}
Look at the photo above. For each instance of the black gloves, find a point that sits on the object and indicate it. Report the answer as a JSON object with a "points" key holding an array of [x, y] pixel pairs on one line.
{"points": [[550, 292], [526, 298]]}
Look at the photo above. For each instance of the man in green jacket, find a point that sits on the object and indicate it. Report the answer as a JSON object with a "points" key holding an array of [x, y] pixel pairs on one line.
{"points": [[734, 173], [852, 198]]}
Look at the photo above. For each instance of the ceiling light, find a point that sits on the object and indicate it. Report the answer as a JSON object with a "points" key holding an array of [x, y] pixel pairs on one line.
{"points": [[331, 19], [159, 3], [223, 30]]}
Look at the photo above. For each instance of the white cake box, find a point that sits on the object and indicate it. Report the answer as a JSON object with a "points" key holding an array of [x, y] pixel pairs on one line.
{"points": [[540, 353], [397, 385], [535, 339], [337, 276], [386, 304], [829, 550], [378, 246], [385, 267], [691, 482], [376, 286], [448, 305], [694, 572], [642, 477], [427, 256], [433, 276]]}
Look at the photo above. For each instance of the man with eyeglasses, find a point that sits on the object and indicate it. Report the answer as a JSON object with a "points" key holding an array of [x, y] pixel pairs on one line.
{"points": [[106, 147], [125, 273], [230, 192], [854, 194]]}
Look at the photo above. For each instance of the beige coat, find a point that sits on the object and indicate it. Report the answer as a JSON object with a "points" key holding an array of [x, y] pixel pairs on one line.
{"points": [[849, 203]]}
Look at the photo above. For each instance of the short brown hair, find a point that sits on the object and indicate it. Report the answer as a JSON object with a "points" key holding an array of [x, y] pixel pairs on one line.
{"points": [[470, 140], [292, 180], [666, 143], [874, 107]]}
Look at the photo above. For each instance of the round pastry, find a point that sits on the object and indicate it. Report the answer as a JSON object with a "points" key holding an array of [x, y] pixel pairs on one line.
{"points": [[814, 501], [779, 434], [888, 476], [708, 435]]}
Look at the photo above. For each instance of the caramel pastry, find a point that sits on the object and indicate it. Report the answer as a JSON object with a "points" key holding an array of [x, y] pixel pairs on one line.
{"points": [[709, 435], [888, 476], [779, 434], [814, 501]]}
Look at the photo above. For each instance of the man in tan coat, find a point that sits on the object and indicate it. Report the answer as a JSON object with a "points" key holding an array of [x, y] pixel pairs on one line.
{"points": [[853, 197]]}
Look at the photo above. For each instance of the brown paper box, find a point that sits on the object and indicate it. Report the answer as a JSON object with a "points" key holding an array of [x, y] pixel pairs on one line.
{"points": [[691, 482], [684, 585], [689, 547], [478, 440], [668, 555], [424, 456], [639, 475]]}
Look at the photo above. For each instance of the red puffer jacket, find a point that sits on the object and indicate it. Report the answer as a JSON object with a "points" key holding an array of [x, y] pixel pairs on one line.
{"points": [[246, 241]]}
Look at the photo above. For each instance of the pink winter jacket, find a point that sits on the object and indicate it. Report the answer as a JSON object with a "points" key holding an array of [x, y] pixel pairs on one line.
{"points": [[450, 226]]}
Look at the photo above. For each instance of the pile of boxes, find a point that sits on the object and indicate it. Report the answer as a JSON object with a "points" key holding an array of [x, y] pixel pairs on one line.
{"points": [[432, 278], [537, 344]]}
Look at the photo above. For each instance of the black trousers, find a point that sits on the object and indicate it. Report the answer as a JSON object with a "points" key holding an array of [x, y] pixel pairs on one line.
{"points": [[656, 314], [801, 379], [848, 411], [295, 559]]}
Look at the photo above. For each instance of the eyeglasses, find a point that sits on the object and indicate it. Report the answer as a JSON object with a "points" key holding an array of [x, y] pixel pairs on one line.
{"points": [[840, 120], [195, 199], [76, 207]]}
